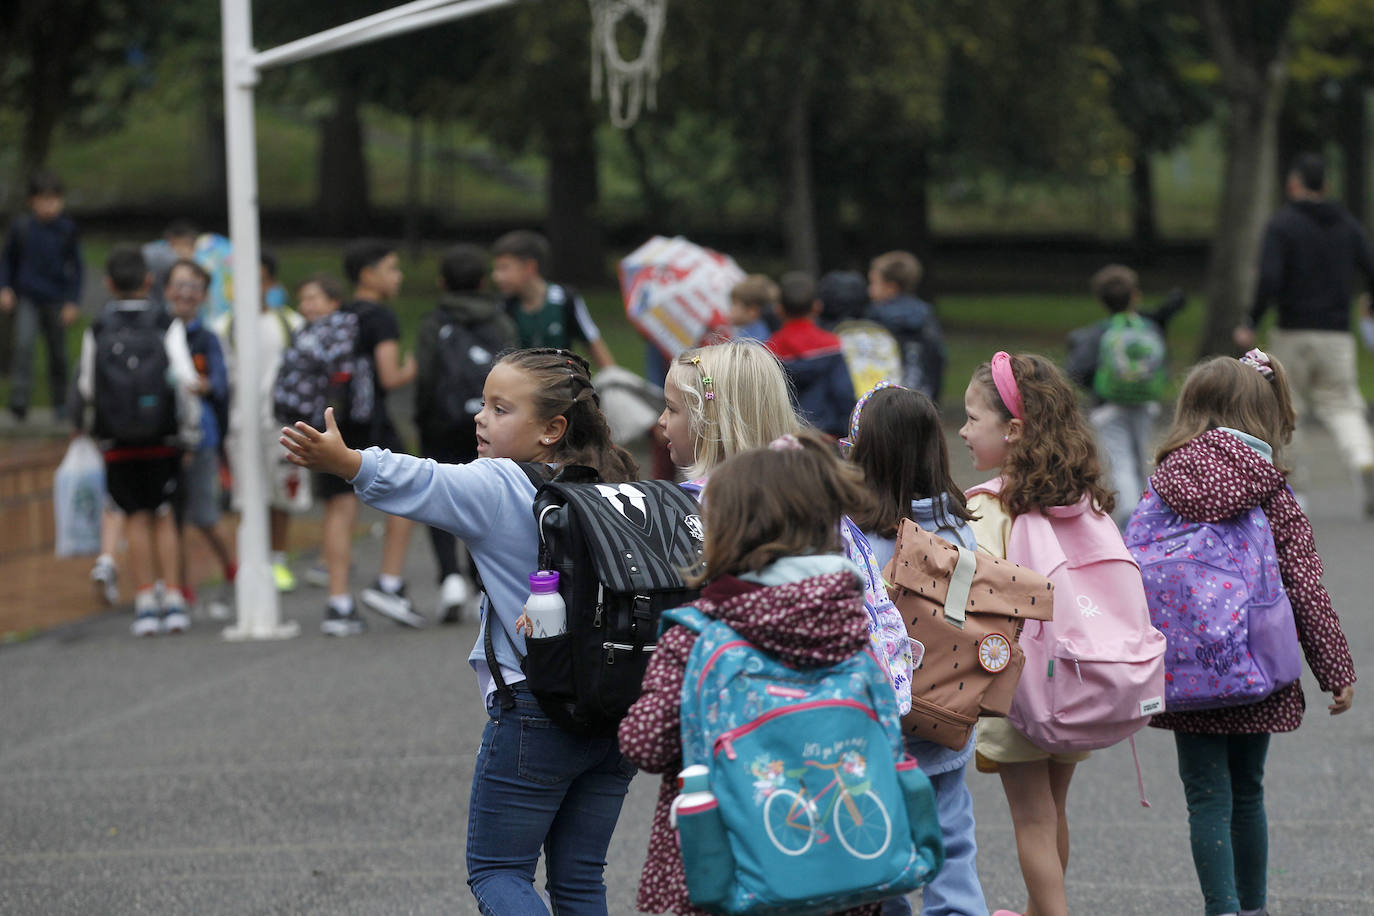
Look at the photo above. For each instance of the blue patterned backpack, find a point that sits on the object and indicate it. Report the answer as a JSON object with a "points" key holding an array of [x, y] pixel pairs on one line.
{"points": [[814, 807]]}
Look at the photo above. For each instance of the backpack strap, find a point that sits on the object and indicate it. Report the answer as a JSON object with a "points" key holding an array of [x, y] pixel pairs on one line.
{"points": [[689, 616], [538, 474]]}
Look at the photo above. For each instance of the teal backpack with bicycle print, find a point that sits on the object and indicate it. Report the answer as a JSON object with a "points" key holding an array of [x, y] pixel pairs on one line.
{"points": [[816, 807]]}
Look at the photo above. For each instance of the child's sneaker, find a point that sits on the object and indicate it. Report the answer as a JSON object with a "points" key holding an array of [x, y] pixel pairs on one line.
{"points": [[337, 623], [392, 604], [105, 577], [453, 594], [316, 576], [283, 578], [174, 617], [147, 616]]}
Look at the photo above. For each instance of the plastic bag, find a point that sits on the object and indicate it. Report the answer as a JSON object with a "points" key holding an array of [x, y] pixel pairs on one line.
{"points": [[78, 495]]}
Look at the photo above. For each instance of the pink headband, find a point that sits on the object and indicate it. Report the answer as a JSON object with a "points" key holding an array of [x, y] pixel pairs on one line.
{"points": [[1005, 381]]}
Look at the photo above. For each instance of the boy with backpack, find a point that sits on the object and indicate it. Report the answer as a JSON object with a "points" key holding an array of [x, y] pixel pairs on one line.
{"points": [[545, 314], [892, 281], [812, 357], [136, 371], [455, 347], [40, 281], [1122, 361]]}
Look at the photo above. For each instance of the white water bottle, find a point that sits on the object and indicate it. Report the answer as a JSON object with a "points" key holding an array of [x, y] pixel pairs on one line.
{"points": [[544, 607], [694, 791]]}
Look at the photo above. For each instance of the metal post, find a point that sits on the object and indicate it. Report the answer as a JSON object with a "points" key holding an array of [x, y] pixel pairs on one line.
{"points": [[257, 603]]}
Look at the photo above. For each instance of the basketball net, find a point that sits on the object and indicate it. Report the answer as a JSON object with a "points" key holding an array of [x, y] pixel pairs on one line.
{"points": [[630, 84]]}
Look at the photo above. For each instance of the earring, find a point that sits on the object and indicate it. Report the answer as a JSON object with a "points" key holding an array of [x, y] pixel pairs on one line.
{"points": [[1006, 438]]}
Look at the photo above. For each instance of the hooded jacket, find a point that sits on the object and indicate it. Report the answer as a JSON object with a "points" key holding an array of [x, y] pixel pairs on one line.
{"points": [[807, 622], [820, 378], [470, 309], [1311, 251], [1215, 477]]}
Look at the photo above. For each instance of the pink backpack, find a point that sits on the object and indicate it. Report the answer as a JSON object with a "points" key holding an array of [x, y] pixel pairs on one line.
{"points": [[1094, 673]]}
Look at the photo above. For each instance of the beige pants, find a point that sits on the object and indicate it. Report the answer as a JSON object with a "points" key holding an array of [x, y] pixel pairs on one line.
{"points": [[1321, 372]]}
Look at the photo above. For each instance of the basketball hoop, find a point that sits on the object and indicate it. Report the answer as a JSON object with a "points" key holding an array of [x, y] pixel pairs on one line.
{"points": [[630, 84]]}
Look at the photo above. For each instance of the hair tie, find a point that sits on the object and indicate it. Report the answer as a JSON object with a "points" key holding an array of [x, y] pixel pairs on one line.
{"points": [[1258, 360], [786, 443], [848, 441], [709, 394], [1005, 381]]}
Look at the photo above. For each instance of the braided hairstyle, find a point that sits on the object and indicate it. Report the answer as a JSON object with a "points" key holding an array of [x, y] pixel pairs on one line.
{"points": [[564, 388]]}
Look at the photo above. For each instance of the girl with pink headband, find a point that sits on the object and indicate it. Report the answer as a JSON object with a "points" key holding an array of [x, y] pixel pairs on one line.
{"points": [[1024, 423]]}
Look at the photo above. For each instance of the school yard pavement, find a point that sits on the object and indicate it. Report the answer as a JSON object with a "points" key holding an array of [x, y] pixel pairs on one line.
{"points": [[193, 775]]}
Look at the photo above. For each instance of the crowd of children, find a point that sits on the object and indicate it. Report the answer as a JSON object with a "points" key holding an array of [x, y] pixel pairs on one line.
{"points": [[803, 482]]}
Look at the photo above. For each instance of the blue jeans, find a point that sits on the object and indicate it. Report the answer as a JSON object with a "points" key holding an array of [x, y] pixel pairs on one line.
{"points": [[1223, 781], [955, 891], [538, 786]]}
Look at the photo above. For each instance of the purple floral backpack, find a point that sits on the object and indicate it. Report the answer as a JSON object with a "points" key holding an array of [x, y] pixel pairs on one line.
{"points": [[1215, 592]]}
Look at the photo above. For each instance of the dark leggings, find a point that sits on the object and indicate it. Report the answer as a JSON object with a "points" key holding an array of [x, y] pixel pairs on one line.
{"points": [[1223, 780], [446, 450]]}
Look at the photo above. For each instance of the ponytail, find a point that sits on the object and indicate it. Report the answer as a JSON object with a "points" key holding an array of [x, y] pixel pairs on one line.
{"points": [[564, 388]]}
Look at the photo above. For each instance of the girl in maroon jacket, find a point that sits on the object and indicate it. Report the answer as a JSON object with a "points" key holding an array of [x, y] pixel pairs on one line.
{"points": [[1218, 462], [781, 581]]}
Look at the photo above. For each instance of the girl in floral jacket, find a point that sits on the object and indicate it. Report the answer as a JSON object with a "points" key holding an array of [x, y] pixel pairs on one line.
{"points": [[1218, 462], [782, 582]]}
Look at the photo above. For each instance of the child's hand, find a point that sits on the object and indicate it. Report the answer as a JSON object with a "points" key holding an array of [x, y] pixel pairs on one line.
{"points": [[1342, 700], [1363, 303], [6, 299], [69, 314], [524, 626], [321, 451]]}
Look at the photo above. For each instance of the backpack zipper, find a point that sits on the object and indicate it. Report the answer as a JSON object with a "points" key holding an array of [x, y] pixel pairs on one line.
{"points": [[610, 647], [726, 740]]}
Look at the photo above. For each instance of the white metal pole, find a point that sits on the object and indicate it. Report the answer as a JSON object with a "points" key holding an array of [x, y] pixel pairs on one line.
{"points": [[258, 607]]}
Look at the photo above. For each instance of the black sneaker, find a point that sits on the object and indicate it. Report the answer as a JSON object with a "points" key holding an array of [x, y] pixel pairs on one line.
{"points": [[338, 624], [392, 604]]}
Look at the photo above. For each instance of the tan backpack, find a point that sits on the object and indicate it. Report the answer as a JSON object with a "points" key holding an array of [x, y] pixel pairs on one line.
{"points": [[966, 608]]}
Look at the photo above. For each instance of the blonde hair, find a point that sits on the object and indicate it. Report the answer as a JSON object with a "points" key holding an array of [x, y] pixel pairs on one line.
{"points": [[1223, 391], [750, 407]]}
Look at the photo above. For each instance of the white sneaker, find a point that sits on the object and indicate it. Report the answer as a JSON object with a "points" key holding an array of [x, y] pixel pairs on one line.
{"points": [[174, 620], [453, 595], [105, 577], [392, 604]]}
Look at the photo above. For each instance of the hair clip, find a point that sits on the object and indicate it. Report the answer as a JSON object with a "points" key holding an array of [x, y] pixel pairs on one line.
{"points": [[1258, 360], [786, 443], [709, 393]]}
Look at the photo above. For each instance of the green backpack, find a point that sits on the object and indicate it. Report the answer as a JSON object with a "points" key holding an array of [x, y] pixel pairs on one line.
{"points": [[1131, 365]]}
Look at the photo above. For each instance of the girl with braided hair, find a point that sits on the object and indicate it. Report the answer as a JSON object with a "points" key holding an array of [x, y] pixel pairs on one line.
{"points": [[535, 785]]}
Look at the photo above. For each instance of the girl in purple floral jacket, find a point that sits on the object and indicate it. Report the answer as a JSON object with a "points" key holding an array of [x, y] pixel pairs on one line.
{"points": [[1218, 462]]}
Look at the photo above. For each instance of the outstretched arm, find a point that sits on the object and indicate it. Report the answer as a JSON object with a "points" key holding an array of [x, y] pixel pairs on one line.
{"points": [[321, 451]]}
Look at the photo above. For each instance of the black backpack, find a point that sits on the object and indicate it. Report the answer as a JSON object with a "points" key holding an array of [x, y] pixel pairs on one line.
{"points": [[463, 357], [620, 551], [135, 403]]}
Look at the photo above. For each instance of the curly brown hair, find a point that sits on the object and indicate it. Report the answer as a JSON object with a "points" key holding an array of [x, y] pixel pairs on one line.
{"points": [[1054, 461]]}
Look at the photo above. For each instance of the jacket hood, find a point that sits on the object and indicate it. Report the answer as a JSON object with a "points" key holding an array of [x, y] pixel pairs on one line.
{"points": [[807, 623], [470, 308], [902, 313], [1215, 476], [1323, 212], [932, 510]]}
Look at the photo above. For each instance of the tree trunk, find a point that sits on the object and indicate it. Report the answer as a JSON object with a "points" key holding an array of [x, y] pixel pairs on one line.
{"points": [[656, 206], [799, 209], [574, 190], [414, 208], [342, 201], [215, 177], [1354, 128], [1253, 74], [1145, 228]]}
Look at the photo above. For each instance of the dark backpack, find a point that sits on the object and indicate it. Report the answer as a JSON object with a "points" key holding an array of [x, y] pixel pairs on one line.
{"points": [[319, 369], [620, 551], [135, 403], [463, 357]]}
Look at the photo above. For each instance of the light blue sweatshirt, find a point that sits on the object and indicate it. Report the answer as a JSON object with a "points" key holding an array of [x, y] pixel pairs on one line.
{"points": [[487, 504], [933, 758]]}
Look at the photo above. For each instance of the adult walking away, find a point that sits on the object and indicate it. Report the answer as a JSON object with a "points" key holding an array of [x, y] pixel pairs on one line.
{"points": [[1312, 248]]}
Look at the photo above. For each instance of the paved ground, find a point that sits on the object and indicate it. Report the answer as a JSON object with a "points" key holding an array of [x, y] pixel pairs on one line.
{"points": [[318, 776]]}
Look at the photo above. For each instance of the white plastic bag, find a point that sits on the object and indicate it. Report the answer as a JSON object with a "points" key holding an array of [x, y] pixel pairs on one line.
{"points": [[78, 496]]}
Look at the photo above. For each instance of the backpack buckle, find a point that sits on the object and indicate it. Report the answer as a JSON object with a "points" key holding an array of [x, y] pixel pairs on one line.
{"points": [[641, 608]]}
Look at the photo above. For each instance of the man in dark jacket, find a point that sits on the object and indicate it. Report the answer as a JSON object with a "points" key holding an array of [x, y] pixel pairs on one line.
{"points": [[1312, 249]]}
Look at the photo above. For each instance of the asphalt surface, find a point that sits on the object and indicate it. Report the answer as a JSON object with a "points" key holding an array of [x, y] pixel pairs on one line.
{"points": [[314, 775]]}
